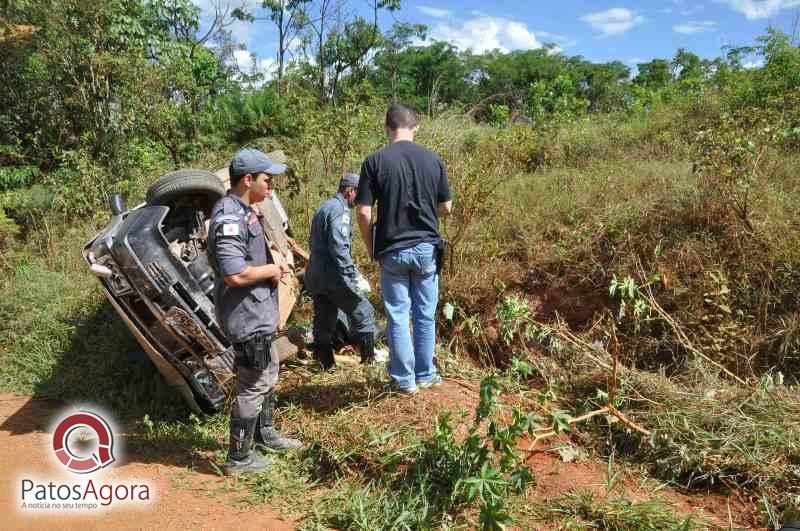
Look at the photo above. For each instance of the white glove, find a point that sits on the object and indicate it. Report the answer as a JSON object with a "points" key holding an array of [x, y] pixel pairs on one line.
{"points": [[362, 284]]}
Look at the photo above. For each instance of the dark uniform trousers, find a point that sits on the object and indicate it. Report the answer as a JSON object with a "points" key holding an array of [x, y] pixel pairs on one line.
{"points": [[331, 273], [236, 240], [358, 309], [253, 385]]}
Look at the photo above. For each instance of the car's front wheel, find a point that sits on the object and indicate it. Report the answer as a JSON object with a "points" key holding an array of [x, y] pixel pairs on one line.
{"points": [[181, 184]]}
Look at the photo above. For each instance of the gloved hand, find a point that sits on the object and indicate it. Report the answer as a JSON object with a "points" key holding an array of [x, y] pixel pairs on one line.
{"points": [[362, 285]]}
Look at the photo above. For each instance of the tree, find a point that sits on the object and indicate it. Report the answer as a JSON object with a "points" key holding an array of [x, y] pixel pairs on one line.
{"points": [[318, 15], [388, 60], [605, 85], [67, 83], [655, 74], [289, 17], [687, 67], [340, 46]]}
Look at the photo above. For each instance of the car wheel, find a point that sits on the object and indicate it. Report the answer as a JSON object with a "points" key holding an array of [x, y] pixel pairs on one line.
{"points": [[186, 183]]}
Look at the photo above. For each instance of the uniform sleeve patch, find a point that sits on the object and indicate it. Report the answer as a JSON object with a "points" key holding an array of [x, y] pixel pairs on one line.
{"points": [[343, 230], [346, 218], [230, 229]]}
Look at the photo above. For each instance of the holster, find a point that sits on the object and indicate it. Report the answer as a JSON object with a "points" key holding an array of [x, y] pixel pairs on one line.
{"points": [[255, 352], [440, 250]]}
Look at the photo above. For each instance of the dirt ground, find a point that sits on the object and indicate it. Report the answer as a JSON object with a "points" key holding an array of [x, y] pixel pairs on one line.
{"points": [[183, 499], [198, 499]]}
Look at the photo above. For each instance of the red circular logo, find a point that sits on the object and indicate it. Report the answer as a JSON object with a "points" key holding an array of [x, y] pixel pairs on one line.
{"points": [[83, 464]]}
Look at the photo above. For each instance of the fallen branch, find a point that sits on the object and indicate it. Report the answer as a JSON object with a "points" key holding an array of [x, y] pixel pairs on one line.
{"points": [[552, 432], [608, 410], [628, 422]]}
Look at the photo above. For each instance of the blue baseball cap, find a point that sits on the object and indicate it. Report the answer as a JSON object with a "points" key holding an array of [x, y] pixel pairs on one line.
{"points": [[349, 180], [253, 161]]}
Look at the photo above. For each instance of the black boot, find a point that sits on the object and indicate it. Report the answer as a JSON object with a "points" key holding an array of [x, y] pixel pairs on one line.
{"points": [[266, 434], [241, 457], [366, 343], [324, 356]]}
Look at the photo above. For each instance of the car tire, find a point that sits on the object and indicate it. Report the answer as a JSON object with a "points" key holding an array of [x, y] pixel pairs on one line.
{"points": [[185, 182]]}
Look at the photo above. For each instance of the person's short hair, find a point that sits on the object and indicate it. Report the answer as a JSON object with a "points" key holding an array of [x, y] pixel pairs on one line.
{"points": [[400, 116]]}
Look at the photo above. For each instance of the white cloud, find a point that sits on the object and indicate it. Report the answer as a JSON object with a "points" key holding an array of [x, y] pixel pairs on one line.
{"points": [[757, 63], [756, 9], [435, 12], [249, 64], [484, 33], [614, 21], [551, 36], [691, 10], [520, 37], [683, 8], [695, 26]]}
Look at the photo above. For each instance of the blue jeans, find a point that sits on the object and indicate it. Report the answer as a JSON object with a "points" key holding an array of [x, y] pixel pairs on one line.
{"points": [[410, 289]]}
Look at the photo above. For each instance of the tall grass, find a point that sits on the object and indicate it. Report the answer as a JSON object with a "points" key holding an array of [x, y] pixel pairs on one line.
{"points": [[62, 340]]}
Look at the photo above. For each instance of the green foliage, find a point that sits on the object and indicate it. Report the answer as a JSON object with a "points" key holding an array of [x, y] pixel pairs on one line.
{"points": [[629, 294], [655, 74], [499, 115], [16, 176], [443, 476], [28, 206], [514, 318], [240, 117], [557, 100], [95, 81], [705, 436]]}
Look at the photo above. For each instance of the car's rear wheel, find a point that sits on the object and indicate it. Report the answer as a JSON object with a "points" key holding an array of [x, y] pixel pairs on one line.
{"points": [[178, 185]]}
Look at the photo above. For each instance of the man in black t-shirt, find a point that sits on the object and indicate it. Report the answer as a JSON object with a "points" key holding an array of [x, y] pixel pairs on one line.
{"points": [[409, 184]]}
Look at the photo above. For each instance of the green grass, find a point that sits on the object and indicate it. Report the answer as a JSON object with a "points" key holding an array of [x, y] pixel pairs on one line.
{"points": [[584, 511], [61, 339]]}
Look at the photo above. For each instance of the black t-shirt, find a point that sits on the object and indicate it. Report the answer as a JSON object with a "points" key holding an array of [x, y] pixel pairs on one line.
{"points": [[408, 182]]}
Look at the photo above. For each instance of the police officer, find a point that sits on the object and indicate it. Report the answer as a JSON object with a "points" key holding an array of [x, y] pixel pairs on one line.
{"points": [[246, 304], [332, 278]]}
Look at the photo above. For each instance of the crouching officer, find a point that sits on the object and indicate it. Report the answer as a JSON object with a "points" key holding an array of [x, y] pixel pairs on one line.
{"points": [[246, 304], [331, 277]]}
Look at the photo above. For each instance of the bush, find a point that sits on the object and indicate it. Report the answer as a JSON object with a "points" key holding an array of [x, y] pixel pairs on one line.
{"points": [[240, 117], [16, 176]]}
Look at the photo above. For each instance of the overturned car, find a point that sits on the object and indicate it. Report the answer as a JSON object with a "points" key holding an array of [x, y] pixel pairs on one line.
{"points": [[151, 261]]}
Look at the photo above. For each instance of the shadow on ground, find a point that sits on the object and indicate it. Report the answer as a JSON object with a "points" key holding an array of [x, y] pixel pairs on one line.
{"points": [[330, 398]]}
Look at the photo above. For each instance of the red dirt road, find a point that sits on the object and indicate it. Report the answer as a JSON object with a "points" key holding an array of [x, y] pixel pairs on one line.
{"points": [[182, 499]]}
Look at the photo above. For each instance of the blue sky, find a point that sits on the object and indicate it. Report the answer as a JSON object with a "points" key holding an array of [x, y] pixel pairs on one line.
{"points": [[599, 30]]}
